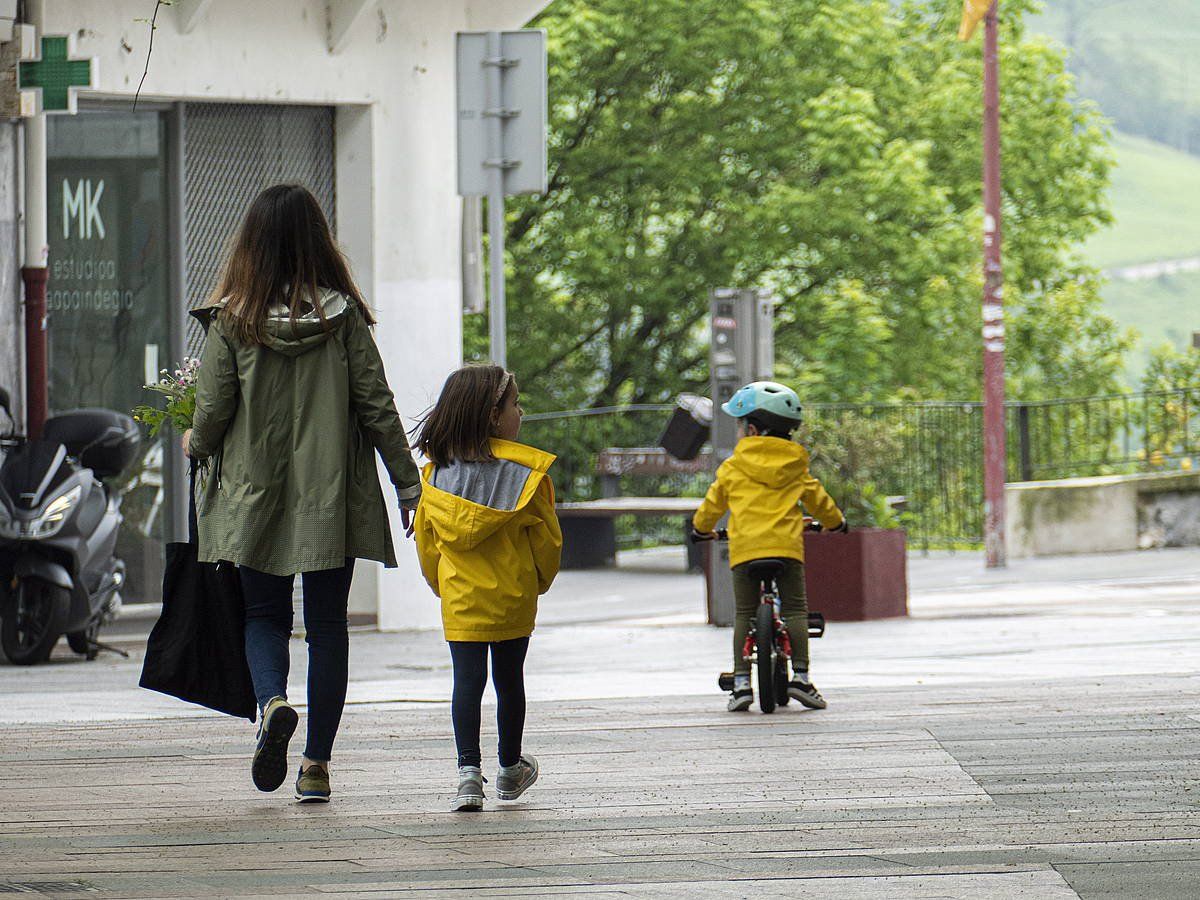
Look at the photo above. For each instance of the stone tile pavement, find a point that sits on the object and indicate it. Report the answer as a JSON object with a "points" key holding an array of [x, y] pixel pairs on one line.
{"points": [[1028, 734]]}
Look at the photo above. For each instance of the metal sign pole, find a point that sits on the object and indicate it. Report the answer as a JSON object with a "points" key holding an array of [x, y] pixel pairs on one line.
{"points": [[501, 98], [742, 350], [497, 326]]}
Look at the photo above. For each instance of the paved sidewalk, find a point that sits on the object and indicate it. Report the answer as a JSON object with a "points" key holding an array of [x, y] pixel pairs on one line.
{"points": [[1031, 733]]}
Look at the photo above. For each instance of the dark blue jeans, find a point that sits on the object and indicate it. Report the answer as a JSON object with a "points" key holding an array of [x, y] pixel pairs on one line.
{"points": [[269, 629], [470, 678]]}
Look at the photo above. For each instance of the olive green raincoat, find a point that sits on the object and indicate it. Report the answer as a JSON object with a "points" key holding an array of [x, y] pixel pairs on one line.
{"points": [[290, 431]]}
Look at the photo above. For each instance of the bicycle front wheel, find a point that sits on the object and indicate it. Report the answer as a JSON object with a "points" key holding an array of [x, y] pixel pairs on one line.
{"points": [[764, 638], [781, 680]]}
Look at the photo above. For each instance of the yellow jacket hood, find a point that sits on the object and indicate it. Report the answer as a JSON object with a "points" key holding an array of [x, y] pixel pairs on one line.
{"points": [[468, 502], [489, 541], [770, 461]]}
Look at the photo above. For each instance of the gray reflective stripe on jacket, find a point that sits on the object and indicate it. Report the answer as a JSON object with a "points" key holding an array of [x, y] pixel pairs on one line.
{"points": [[497, 483]]}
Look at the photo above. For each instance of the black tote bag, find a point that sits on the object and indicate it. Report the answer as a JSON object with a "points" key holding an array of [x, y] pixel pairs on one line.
{"points": [[197, 649]]}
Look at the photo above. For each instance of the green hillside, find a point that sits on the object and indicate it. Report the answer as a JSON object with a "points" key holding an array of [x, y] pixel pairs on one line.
{"points": [[1162, 27], [1136, 60], [1155, 193], [1163, 310]]}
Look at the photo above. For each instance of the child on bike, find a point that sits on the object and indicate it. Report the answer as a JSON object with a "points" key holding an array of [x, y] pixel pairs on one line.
{"points": [[762, 487], [489, 543]]}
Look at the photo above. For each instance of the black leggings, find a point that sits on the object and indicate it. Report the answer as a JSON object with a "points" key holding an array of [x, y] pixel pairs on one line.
{"points": [[470, 678]]}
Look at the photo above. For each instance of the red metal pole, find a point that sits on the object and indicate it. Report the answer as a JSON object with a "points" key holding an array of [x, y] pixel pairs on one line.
{"points": [[994, 454], [35, 349]]}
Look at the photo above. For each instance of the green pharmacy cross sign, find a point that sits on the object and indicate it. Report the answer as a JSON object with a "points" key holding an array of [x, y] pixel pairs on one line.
{"points": [[56, 77]]}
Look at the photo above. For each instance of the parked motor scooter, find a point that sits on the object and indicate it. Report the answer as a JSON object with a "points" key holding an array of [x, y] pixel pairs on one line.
{"points": [[60, 514]]}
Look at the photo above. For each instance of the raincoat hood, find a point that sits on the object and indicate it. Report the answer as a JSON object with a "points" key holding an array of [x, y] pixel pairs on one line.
{"points": [[462, 521], [283, 335], [763, 487], [292, 430], [489, 542], [771, 461]]}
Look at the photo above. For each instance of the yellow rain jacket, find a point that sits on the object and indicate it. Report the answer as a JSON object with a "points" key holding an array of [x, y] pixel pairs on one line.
{"points": [[762, 486], [489, 541]]}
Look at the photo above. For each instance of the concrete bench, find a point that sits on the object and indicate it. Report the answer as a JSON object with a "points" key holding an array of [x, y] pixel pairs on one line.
{"points": [[589, 526]]}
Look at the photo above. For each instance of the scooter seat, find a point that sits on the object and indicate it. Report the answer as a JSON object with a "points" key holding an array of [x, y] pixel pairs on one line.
{"points": [[104, 440]]}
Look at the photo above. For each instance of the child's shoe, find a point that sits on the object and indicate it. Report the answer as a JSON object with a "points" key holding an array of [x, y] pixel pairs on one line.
{"points": [[470, 790], [275, 729], [742, 695], [807, 693], [312, 786], [740, 701], [512, 781]]}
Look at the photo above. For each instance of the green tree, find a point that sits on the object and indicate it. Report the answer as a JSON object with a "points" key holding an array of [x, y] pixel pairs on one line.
{"points": [[826, 149], [1172, 370]]}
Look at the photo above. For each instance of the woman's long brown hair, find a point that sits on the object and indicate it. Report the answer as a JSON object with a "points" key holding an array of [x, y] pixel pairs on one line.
{"points": [[283, 253], [460, 424]]}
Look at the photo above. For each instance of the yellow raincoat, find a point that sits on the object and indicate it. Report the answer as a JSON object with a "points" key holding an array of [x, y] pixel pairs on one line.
{"points": [[762, 486], [490, 564]]}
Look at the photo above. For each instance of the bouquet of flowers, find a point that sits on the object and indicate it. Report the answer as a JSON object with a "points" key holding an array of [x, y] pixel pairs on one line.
{"points": [[180, 390]]}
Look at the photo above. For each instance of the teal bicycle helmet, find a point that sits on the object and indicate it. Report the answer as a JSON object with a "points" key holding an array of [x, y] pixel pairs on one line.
{"points": [[764, 397]]}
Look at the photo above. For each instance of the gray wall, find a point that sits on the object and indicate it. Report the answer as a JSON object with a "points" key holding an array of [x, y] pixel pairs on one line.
{"points": [[12, 331]]}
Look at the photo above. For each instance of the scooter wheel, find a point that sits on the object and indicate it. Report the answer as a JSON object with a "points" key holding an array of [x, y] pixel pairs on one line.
{"points": [[32, 622]]}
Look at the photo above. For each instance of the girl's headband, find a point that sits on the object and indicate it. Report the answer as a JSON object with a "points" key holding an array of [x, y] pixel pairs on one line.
{"points": [[504, 383]]}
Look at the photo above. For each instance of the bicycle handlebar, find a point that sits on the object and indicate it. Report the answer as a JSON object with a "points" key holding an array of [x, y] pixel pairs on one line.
{"points": [[722, 534]]}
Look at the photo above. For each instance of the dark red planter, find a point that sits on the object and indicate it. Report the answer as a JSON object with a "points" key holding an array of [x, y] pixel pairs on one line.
{"points": [[857, 576]]}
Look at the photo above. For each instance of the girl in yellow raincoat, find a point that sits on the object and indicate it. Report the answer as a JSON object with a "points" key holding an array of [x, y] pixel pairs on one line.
{"points": [[489, 544]]}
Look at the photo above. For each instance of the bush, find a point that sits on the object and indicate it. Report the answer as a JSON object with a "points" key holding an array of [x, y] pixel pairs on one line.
{"points": [[851, 456]]}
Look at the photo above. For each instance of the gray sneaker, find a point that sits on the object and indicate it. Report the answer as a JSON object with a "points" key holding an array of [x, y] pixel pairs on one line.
{"points": [[739, 701], [513, 781], [470, 790]]}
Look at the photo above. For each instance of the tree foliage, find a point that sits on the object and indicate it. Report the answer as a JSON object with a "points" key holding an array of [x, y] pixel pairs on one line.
{"points": [[1172, 369], [826, 149]]}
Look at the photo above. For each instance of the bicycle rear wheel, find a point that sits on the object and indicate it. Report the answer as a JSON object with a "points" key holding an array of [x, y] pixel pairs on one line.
{"points": [[764, 638]]}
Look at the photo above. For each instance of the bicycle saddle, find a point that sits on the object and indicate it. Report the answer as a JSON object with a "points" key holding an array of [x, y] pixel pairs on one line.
{"points": [[766, 569]]}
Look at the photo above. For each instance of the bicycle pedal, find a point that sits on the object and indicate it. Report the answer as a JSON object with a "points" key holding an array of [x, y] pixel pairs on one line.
{"points": [[725, 681]]}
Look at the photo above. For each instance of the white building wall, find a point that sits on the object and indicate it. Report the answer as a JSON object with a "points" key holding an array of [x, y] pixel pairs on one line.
{"points": [[398, 212]]}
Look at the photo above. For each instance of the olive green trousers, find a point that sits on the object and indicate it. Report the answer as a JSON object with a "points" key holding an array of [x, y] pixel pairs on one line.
{"points": [[793, 608]]}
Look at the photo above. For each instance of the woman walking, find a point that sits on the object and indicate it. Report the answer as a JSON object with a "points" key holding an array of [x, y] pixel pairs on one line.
{"points": [[291, 405]]}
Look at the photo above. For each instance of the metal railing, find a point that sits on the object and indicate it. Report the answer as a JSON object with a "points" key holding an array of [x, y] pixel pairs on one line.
{"points": [[1103, 435], [929, 453]]}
